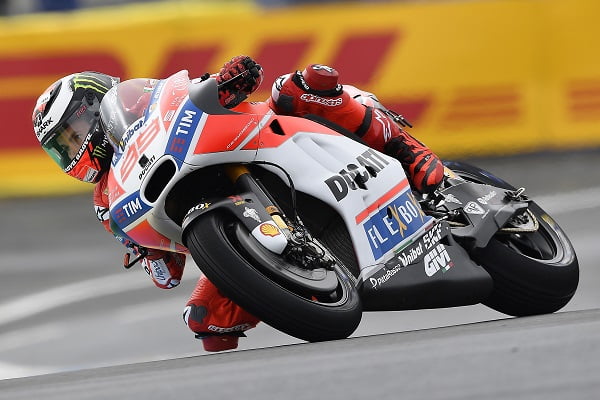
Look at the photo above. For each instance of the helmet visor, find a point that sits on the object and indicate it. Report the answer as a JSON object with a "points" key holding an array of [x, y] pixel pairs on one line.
{"points": [[69, 140]]}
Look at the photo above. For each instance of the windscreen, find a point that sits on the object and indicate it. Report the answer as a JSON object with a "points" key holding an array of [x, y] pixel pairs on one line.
{"points": [[123, 105]]}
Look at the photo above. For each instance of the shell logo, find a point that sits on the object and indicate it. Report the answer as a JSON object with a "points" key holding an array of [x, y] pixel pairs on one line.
{"points": [[269, 230]]}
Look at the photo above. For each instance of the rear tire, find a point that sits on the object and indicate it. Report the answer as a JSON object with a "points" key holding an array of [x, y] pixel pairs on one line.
{"points": [[533, 272], [220, 246]]}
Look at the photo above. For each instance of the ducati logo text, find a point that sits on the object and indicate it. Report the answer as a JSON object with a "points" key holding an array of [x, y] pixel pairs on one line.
{"points": [[354, 176]]}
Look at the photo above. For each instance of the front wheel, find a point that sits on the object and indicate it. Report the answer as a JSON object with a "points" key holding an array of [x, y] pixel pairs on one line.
{"points": [[244, 272], [533, 272]]}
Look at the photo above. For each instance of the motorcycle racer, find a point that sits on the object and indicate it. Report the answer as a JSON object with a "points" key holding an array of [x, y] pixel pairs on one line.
{"points": [[66, 122]]}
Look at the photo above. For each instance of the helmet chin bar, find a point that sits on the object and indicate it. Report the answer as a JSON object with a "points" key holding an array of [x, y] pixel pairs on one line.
{"points": [[95, 160]]}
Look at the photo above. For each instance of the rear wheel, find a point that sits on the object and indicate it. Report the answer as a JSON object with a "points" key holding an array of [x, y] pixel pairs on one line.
{"points": [[312, 305], [533, 272]]}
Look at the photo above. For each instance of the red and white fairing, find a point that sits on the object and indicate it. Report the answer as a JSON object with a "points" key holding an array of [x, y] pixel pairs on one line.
{"points": [[176, 137]]}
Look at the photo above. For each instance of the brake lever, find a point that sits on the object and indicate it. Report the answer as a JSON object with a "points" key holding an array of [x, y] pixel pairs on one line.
{"points": [[143, 252]]}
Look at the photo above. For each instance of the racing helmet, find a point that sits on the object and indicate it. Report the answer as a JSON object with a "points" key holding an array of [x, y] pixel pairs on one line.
{"points": [[66, 122]]}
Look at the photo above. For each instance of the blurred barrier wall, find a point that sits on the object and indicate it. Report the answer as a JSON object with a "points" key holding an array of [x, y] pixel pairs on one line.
{"points": [[474, 78]]}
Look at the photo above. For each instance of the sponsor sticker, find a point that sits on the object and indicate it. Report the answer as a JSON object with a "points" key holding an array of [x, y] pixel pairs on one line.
{"points": [[437, 259], [197, 207], [450, 198], [412, 254], [390, 225], [183, 128], [484, 199], [237, 200], [473, 208], [269, 230], [251, 213], [129, 209]]}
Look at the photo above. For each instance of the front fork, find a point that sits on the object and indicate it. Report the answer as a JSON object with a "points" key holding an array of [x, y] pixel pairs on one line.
{"points": [[240, 175], [302, 249], [251, 206]]}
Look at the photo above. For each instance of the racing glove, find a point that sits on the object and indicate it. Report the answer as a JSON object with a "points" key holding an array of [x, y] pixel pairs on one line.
{"points": [[165, 268], [238, 78]]}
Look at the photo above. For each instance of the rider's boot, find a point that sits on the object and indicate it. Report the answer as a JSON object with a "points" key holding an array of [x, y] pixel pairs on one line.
{"points": [[422, 166], [215, 319]]}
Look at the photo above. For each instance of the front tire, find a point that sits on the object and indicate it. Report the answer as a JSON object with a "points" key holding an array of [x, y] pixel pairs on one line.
{"points": [[533, 272], [220, 246]]}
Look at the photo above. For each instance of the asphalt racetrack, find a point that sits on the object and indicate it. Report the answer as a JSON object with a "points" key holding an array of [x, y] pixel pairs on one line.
{"points": [[74, 324]]}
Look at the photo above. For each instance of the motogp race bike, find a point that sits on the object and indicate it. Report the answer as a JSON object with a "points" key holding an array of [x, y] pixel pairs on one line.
{"points": [[306, 227]]}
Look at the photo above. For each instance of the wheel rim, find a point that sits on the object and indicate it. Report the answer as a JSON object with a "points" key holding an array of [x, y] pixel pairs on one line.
{"points": [[334, 298], [535, 245]]}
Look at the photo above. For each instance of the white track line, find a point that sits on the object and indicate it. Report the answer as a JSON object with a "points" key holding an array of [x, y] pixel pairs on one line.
{"points": [[27, 306]]}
